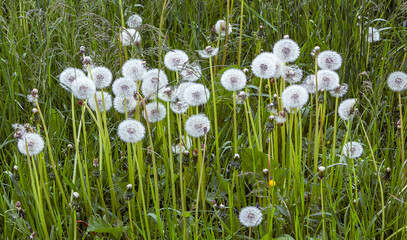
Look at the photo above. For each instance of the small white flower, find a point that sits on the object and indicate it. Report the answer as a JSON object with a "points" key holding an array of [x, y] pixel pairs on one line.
{"points": [[329, 60], [153, 81], [346, 108], [191, 73], [102, 77], [292, 73], [196, 94], [31, 142], [83, 88], [124, 87], [68, 76], [208, 52], [130, 37], [287, 50], [294, 96], [197, 125], [175, 60], [327, 80], [352, 149], [121, 105], [134, 69], [131, 131], [134, 21], [250, 216], [263, 66], [107, 101], [156, 112], [220, 28], [233, 79], [397, 81]]}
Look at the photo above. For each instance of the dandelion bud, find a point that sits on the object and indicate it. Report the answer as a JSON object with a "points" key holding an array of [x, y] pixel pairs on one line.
{"points": [[15, 168], [16, 175], [214, 204], [354, 201], [221, 206], [87, 60], [237, 156], [75, 195], [387, 174], [128, 195], [265, 171], [261, 26], [32, 236], [95, 163], [34, 110], [275, 96], [272, 81], [80, 102], [195, 153], [82, 49], [18, 205], [213, 37], [321, 172], [286, 37], [399, 124], [69, 146], [34, 92], [245, 70]]}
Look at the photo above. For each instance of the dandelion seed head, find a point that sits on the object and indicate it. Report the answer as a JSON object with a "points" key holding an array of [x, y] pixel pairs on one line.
{"points": [[292, 73], [175, 60], [329, 60], [233, 79], [352, 149], [346, 108], [102, 77], [287, 50], [263, 67], [120, 104], [397, 81], [294, 96], [179, 107], [197, 125], [373, 35], [340, 91], [134, 69], [196, 94], [156, 112], [184, 145], [153, 81], [83, 88], [34, 142], [327, 80], [191, 73], [130, 37], [69, 76], [131, 131], [220, 28], [250, 217], [309, 83], [124, 87], [208, 52], [99, 99], [134, 21]]}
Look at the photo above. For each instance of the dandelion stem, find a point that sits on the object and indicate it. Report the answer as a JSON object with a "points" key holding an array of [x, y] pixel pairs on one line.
{"points": [[215, 116]]}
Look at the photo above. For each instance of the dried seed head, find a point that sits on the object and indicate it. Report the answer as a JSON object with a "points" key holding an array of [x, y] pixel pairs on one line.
{"points": [[321, 172]]}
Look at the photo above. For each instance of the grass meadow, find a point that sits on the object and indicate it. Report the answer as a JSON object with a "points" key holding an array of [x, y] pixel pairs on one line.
{"points": [[267, 159]]}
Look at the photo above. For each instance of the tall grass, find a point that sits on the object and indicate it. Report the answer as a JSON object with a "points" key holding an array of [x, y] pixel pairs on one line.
{"points": [[200, 196]]}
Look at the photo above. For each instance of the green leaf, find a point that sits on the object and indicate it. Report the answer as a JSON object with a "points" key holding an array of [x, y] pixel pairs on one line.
{"points": [[100, 225]]}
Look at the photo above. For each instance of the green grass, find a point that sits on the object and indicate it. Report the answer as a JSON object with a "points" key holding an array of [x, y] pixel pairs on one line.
{"points": [[39, 39]]}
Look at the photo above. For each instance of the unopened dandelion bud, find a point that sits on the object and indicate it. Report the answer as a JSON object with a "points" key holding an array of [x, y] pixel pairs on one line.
{"points": [[34, 92], [82, 49], [269, 126], [275, 96], [32, 236], [195, 153], [272, 183], [354, 201], [87, 60], [265, 171], [128, 195], [321, 172], [214, 204], [80, 102], [399, 124], [286, 37], [236, 156], [34, 110], [272, 80], [95, 163], [18, 205], [221, 206], [75, 195], [245, 70], [69, 146], [387, 174]]}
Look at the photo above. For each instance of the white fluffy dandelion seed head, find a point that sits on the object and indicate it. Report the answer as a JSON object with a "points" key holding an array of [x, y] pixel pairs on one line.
{"points": [[166, 94], [340, 91], [34, 142], [208, 52], [309, 84], [287, 50], [292, 73], [134, 21], [153, 81], [69, 76], [131, 131], [179, 91], [134, 69], [346, 108], [179, 107], [279, 65], [263, 67], [294, 96], [130, 37], [329, 60], [102, 77], [107, 99], [352, 149], [397, 81], [196, 94], [121, 105], [233, 79], [184, 145], [327, 80], [250, 217], [83, 88], [197, 125], [175, 60], [373, 35], [124, 87], [156, 112], [191, 73], [220, 28]]}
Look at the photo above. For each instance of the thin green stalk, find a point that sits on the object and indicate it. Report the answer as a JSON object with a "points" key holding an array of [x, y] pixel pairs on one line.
{"points": [[215, 116], [234, 123]]}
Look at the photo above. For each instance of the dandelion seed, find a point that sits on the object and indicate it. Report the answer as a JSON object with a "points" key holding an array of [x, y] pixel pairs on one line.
{"points": [[107, 101], [340, 91], [250, 216], [123, 103], [134, 69], [191, 73], [196, 94], [287, 50], [279, 65], [175, 60], [197, 125], [292, 74], [156, 112], [83, 88], [294, 96], [346, 108], [329, 60], [179, 107], [153, 81], [220, 28], [373, 35], [130, 37], [309, 84], [69, 76], [397, 81], [131, 131], [352, 149], [30, 143], [263, 67], [208, 52], [179, 91], [233, 79], [124, 87], [102, 77], [327, 80], [134, 21], [166, 94]]}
